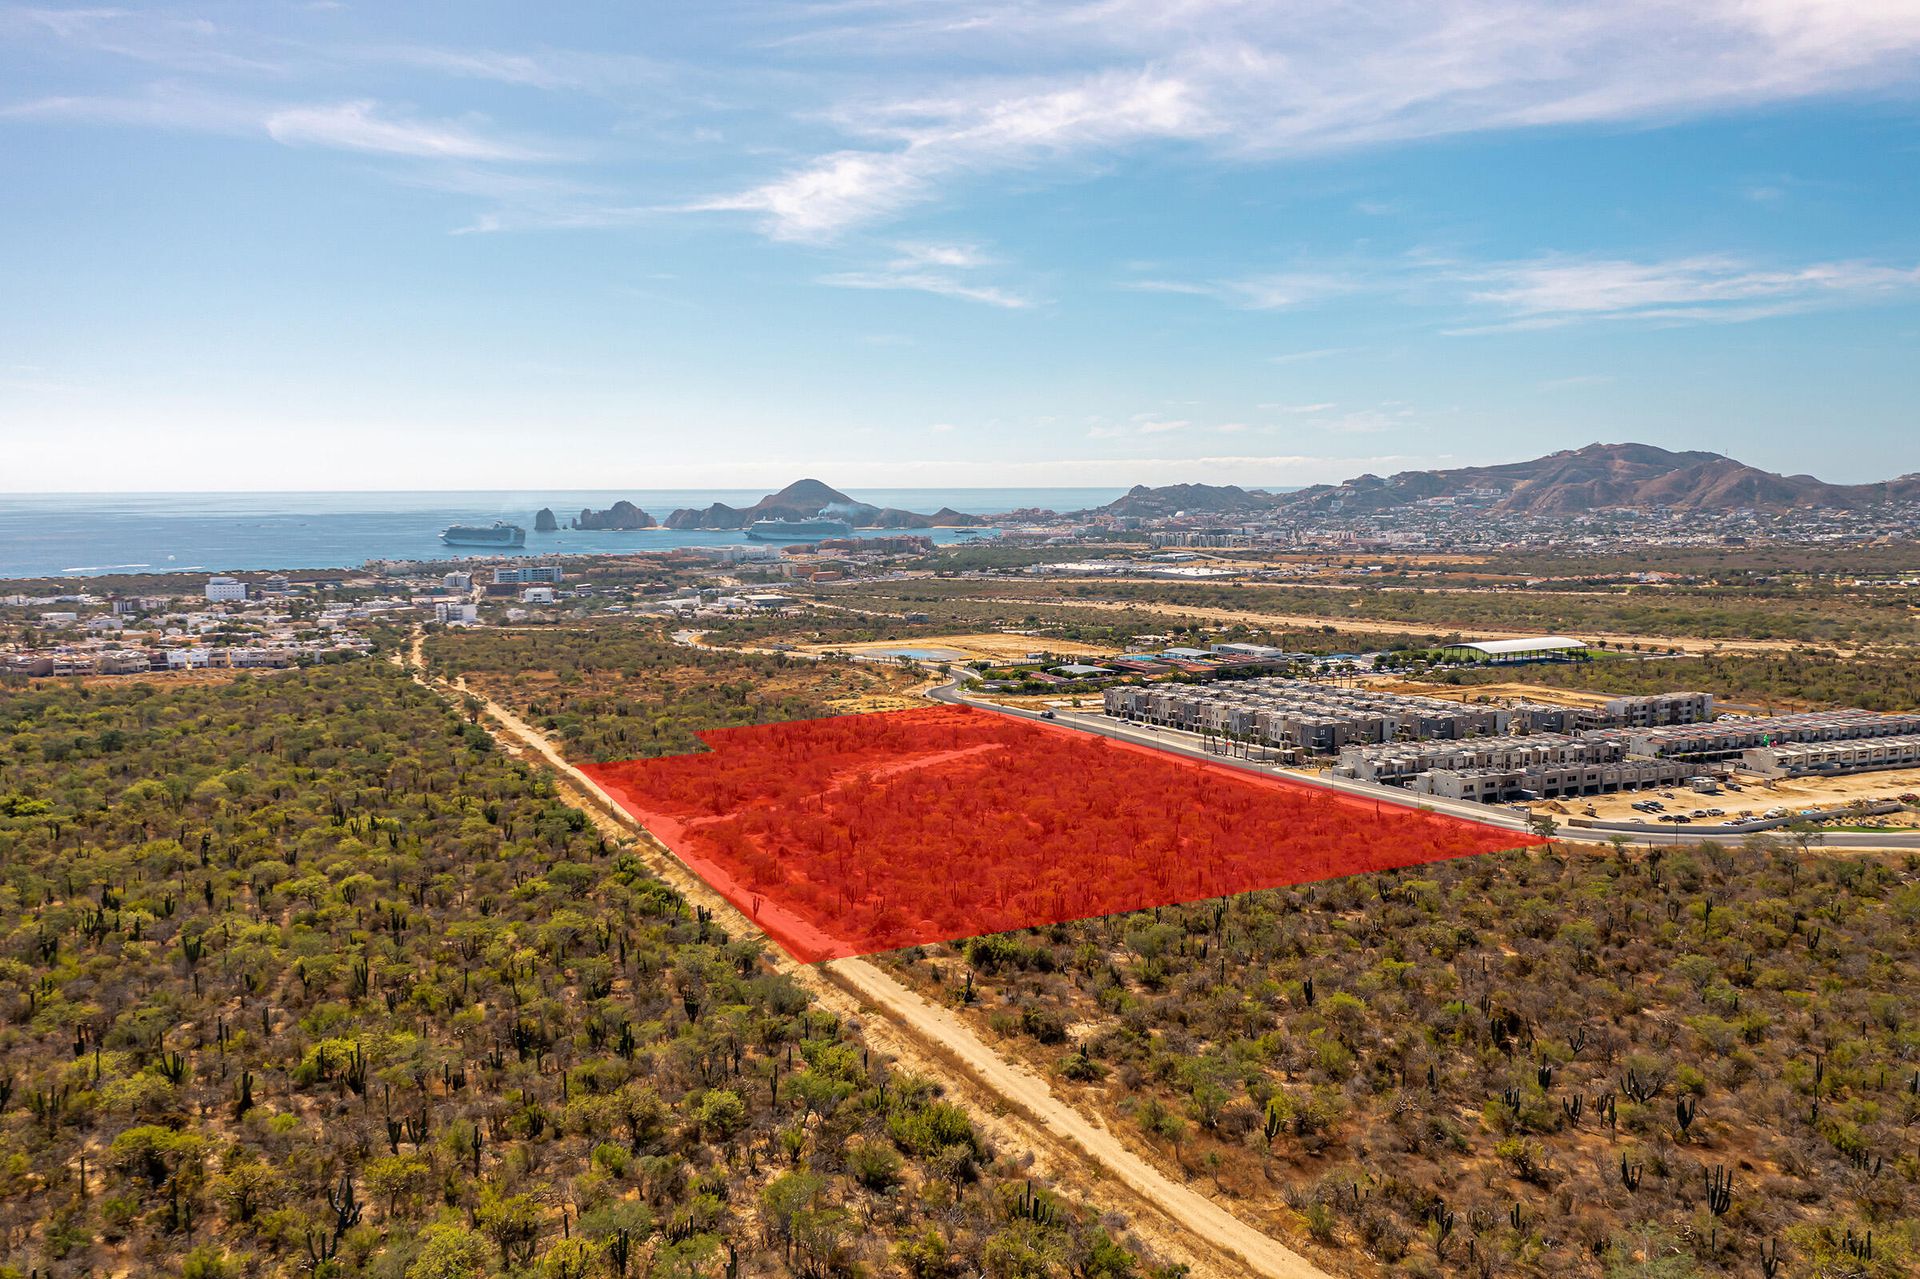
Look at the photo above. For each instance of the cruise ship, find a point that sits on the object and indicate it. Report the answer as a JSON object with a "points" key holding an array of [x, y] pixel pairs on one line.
{"points": [[797, 530], [498, 535]]}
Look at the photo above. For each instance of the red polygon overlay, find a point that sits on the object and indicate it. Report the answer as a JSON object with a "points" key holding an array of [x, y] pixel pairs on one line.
{"points": [[863, 833]]}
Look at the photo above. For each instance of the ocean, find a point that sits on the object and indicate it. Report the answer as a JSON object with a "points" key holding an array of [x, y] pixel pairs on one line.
{"points": [[88, 534]]}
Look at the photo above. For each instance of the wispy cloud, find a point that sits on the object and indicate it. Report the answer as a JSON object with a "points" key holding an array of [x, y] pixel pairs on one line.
{"points": [[927, 282], [1255, 80], [934, 268], [1271, 292], [1311, 354], [363, 126], [1553, 292], [941, 139]]}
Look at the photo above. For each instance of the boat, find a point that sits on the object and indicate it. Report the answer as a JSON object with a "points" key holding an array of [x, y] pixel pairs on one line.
{"points": [[498, 535], [797, 530]]}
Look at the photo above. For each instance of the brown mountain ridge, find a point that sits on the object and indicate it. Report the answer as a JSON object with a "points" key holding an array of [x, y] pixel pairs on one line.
{"points": [[1597, 477]]}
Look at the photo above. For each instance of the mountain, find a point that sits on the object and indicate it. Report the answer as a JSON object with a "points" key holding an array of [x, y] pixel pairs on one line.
{"points": [[622, 516], [804, 499], [1597, 477], [1217, 499]]}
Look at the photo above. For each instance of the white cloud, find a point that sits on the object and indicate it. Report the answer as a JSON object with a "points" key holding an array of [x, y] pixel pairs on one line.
{"points": [[1556, 291], [361, 126], [950, 256], [945, 138], [1271, 292], [936, 268], [1317, 353], [927, 282], [1263, 80]]}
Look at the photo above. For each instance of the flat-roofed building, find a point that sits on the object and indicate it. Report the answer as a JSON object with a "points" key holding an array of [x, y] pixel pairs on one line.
{"points": [[1533, 648], [1832, 758]]}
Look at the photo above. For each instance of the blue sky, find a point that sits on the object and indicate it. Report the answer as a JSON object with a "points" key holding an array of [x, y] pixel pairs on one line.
{"points": [[896, 242]]}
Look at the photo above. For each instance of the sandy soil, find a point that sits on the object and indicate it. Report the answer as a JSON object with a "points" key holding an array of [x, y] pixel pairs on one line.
{"points": [[1493, 693], [172, 679], [1755, 797], [1015, 1105], [1297, 621], [990, 645]]}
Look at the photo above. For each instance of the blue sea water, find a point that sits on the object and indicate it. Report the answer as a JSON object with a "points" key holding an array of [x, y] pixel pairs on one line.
{"points": [[88, 534]]}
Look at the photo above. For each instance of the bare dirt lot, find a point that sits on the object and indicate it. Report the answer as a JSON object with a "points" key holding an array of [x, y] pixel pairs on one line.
{"points": [[989, 645], [1755, 796], [1494, 693]]}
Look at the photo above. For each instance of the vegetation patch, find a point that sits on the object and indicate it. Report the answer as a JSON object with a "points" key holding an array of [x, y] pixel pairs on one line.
{"points": [[862, 833]]}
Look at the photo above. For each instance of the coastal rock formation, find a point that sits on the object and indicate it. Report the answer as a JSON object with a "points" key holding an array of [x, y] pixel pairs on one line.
{"points": [[544, 521], [622, 516], [717, 516], [805, 499]]}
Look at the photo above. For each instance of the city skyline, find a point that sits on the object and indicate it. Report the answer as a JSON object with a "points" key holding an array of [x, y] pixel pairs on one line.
{"points": [[320, 247]]}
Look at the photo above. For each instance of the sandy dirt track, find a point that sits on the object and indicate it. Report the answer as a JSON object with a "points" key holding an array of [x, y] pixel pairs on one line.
{"points": [[1303, 621], [1017, 1106]]}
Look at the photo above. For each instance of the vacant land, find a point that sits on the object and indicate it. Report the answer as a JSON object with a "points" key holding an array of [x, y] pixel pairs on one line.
{"points": [[301, 976], [626, 690], [1785, 681], [851, 835], [1650, 615], [1531, 1063], [991, 646], [1497, 690]]}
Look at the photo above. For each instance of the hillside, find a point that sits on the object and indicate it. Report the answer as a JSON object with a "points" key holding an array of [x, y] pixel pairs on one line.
{"points": [[1597, 477], [804, 499]]}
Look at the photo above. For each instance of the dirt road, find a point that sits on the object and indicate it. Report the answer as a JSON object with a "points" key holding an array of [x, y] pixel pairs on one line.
{"points": [[1307, 621], [1074, 1150]]}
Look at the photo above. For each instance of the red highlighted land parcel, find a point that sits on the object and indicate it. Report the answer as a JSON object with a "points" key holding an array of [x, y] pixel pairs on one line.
{"points": [[862, 833]]}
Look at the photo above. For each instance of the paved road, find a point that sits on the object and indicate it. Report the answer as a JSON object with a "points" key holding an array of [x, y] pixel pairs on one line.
{"points": [[1175, 742]]}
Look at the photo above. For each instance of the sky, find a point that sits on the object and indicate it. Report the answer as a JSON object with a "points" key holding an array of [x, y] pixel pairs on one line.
{"points": [[344, 245]]}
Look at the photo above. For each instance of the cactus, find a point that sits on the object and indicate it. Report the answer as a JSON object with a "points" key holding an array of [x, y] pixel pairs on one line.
{"points": [[245, 1101], [1719, 1190], [1770, 1261], [1630, 1173], [1683, 1113], [1034, 1207]]}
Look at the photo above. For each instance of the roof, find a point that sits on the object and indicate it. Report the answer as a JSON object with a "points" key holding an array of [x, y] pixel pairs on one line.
{"points": [[1532, 644]]}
